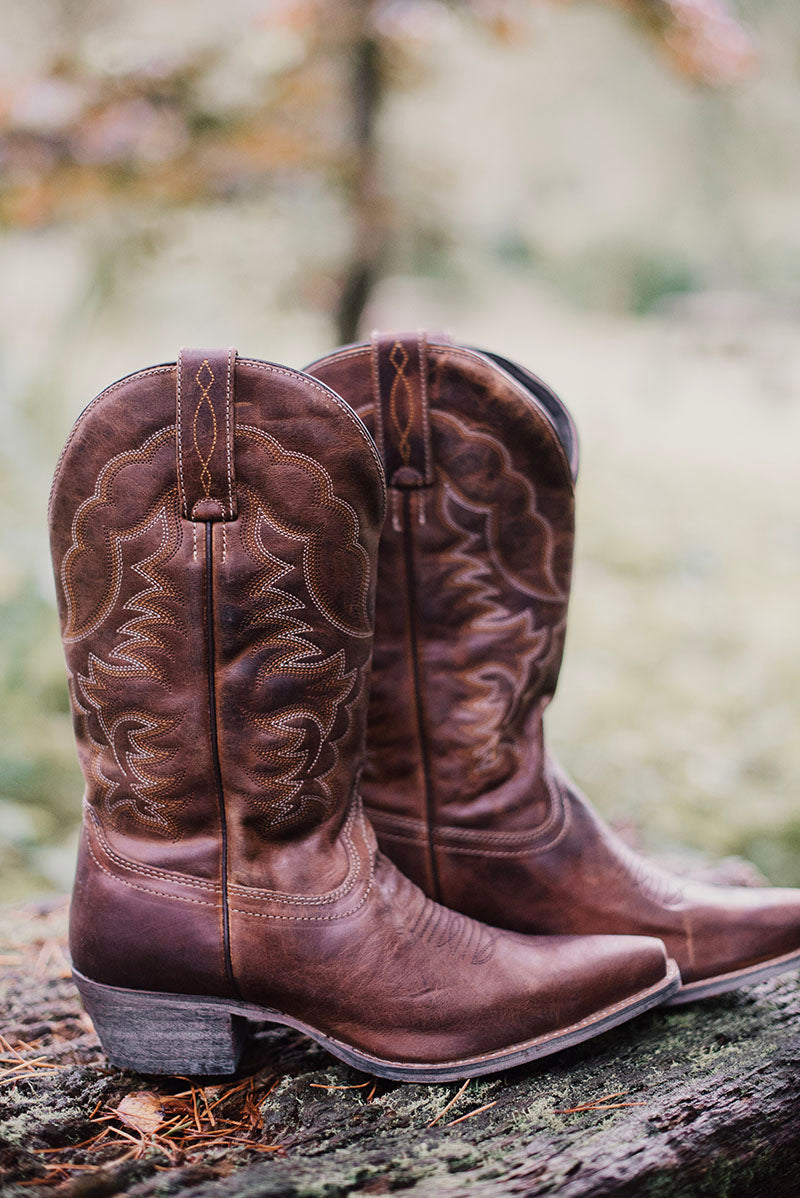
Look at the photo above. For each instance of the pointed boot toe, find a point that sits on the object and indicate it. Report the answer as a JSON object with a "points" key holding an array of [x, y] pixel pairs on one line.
{"points": [[629, 964], [735, 936]]}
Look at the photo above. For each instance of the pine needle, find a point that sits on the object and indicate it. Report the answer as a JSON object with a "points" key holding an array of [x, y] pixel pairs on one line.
{"points": [[320, 1086], [472, 1114], [450, 1104]]}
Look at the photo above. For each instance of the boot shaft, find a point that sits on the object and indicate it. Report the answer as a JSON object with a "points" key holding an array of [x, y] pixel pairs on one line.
{"points": [[214, 527], [473, 585]]}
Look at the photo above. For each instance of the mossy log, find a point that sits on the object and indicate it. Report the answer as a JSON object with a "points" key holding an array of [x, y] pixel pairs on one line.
{"points": [[700, 1100]]}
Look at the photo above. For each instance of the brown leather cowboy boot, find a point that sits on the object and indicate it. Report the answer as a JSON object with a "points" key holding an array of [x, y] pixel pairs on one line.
{"points": [[214, 533], [473, 584]]}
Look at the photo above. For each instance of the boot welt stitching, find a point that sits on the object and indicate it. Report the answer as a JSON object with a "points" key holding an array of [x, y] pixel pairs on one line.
{"points": [[179, 898], [353, 856], [519, 844]]}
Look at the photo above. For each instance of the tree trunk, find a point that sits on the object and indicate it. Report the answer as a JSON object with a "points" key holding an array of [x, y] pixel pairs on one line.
{"points": [[366, 208]]}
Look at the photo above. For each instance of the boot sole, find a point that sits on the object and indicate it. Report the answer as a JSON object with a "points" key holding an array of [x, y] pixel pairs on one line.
{"points": [[186, 1034], [723, 983]]}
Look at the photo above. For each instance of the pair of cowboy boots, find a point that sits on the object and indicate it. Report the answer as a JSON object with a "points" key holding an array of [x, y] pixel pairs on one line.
{"points": [[215, 532]]}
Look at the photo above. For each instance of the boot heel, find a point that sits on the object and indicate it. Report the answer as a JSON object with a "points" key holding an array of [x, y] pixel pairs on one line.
{"points": [[164, 1033]]}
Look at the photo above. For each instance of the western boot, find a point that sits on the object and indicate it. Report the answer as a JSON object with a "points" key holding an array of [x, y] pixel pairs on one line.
{"points": [[214, 532], [473, 584]]}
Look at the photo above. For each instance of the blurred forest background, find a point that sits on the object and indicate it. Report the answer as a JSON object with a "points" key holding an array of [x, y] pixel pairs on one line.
{"points": [[606, 190]]}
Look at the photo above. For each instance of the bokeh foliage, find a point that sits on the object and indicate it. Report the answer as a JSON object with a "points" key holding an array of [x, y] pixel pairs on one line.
{"points": [[276, 174]]}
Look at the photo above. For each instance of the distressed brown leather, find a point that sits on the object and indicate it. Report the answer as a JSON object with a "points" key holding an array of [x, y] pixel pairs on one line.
{"points": [[473, 587], [214, 536]]}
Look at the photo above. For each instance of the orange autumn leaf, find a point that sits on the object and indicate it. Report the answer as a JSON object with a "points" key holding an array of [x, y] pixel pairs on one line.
{"points": [[142, 1111]]}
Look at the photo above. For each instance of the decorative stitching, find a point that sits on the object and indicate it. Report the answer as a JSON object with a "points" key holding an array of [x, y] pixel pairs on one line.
{"points": [[330, 500], [325, 679], [143, 729], [105, 479], [354, 863], [129, 378], [254, 914], [398, 357], [499, 686], [554, 592], [329, 394], [205, 398], [269, 367], [228, 437], [532, 403], [179, 898], [147, 871], [559, 818], [179, 436], [315, 918], [376, 393], [422, 351]]}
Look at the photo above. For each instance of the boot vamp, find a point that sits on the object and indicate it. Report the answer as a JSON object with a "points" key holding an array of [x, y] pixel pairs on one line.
{"points": [[587, 880], [401, 977]]}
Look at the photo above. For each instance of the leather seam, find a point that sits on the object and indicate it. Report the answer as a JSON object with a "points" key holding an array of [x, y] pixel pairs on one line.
{"points": [[236, 910], [179, 433], [146, 871], [210, 645], [228, 438], [178, 898], [422, 353], [416, 672], [380, 436], [519, 844], [330, 896], [312, 918]]}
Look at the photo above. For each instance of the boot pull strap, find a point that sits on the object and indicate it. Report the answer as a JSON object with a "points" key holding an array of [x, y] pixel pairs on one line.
{"points": [[402, 415], [204, 431]]}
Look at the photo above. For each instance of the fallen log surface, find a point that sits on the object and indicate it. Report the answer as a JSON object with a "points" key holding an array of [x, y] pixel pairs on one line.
{"points": [[700, 1100]]}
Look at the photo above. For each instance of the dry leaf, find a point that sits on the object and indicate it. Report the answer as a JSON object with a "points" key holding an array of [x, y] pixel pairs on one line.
{"points": [[141, 1110]]}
